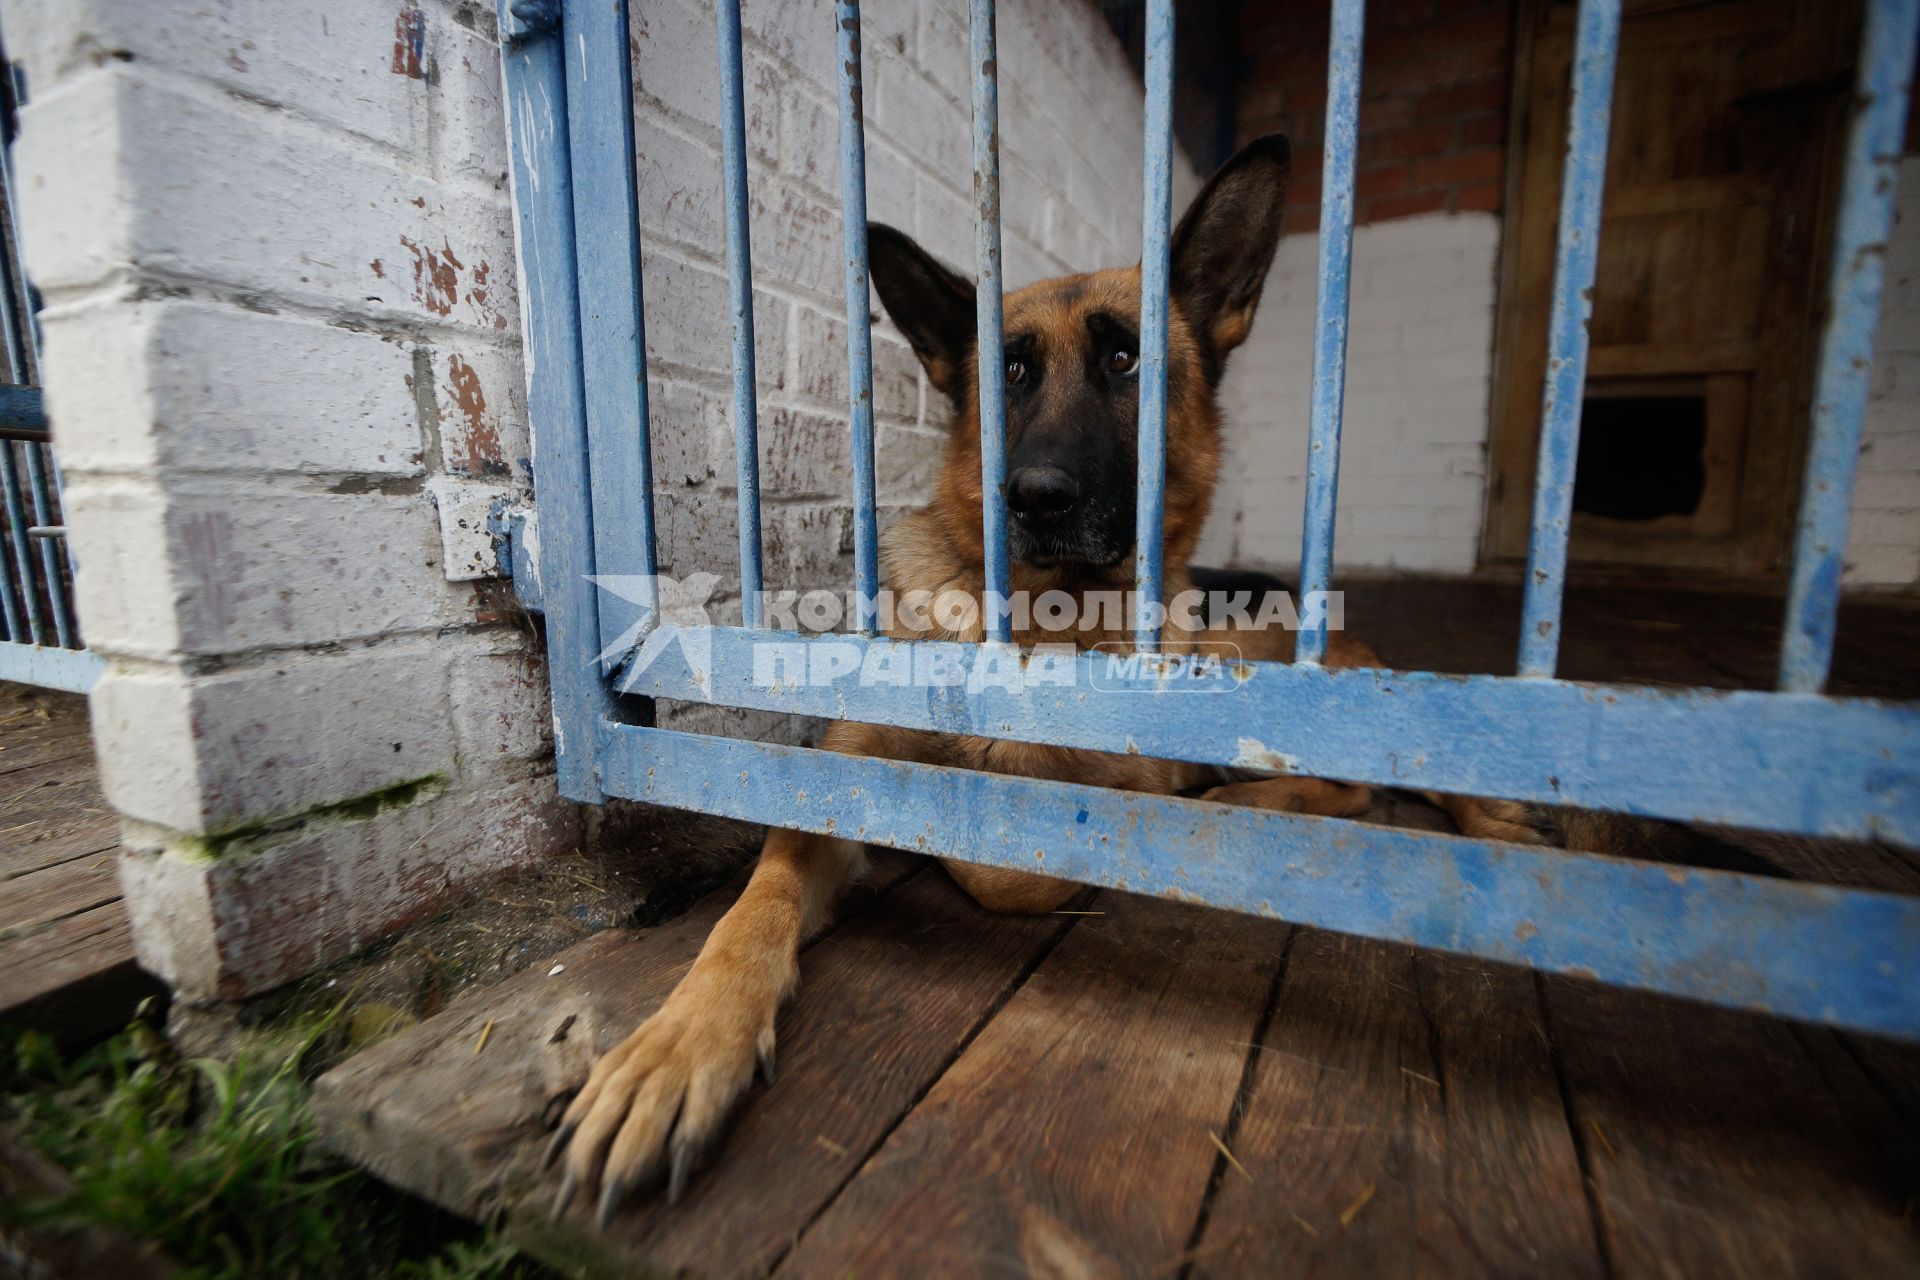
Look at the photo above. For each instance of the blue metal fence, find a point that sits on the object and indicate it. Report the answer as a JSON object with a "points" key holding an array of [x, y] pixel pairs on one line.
{"points": [[41, 641], [1791, 761]]}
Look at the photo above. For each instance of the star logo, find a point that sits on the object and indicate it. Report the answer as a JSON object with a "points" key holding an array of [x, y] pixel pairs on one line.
{"points": [[669, 613]]}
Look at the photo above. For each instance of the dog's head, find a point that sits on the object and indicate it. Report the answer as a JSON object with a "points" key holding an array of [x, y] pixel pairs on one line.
{"points": [[1072, 366]]}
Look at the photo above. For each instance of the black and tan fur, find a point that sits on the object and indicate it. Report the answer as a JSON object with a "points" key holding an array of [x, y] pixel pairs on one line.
{"points": [[654, 1103]]}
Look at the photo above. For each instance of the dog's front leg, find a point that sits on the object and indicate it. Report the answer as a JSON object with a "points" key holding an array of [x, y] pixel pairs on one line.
{"points": [[661, 1096]]}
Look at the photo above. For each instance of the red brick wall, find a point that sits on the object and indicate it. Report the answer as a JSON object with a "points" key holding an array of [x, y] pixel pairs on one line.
{"points": [[1433, 102]]}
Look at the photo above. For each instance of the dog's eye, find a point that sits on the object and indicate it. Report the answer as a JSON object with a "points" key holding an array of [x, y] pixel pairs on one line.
{"points": [[1016, 371], [1122, 361]]}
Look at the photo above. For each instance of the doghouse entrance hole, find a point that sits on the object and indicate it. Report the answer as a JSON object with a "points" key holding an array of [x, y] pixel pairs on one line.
{"points": [[1641, 457]]}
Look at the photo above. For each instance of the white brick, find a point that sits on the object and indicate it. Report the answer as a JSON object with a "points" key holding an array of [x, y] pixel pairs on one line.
{"points": [[820, 349], [262, 912], [890, 185], [480, 414], [333, 62], [810, 139], [906, 463], [464, 510], [913, 113], [1418, 382], [808, 546], [687, 319], [267, 743], [178, 384], [125, 585], [800, 32], [687, 424], [502, 718], [469, 140], [285, 565], [364, 235], [797, 240], [667, 37], [944, 49], [802, 454]]}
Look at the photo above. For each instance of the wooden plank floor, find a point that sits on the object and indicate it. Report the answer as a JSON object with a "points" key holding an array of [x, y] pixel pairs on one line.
{"points": [[963, 1094], [1146, 1089], [66, 954]]}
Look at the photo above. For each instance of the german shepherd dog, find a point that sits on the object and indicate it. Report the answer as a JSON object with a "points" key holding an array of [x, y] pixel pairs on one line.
{"points": [[658, 1100]]}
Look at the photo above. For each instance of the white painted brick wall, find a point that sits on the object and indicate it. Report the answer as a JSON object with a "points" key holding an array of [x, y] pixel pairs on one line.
{"points": [[1419, 374], [1884, 546], [282, 349], [1413, 445]]}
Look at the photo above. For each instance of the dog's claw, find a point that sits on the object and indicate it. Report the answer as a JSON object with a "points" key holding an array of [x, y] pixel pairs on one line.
{"points": [[610, 1197], [568, 1185], [561, 1137], [682, 1168]]}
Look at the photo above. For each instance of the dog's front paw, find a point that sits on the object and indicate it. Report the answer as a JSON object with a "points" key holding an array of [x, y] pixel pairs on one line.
{"points": [[660, 1098], [1509, 820]]}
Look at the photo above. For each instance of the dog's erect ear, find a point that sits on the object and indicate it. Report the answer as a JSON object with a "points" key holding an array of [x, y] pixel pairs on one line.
{"points": [[1225, 243], [932, 305]]}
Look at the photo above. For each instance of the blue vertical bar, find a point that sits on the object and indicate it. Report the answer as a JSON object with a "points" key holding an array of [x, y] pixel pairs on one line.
{"points": [[991, 338], [1596, 41], [1846, 345], [746, 430], [853, 204], [16, 513], [606, 217], [43, 514], [1330, 325], [66, 542], [9, 605], [1156, 230], [533, 67]]}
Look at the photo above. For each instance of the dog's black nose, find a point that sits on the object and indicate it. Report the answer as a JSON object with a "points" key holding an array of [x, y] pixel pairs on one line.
{"points": [[1041, 495]]}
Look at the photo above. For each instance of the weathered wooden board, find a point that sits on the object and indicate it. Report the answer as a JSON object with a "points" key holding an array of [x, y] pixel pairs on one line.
{"points": [[51, 812], [90, 953], [1718, 1146], [456, 1119], [1075, 1136], [1403, 1118], [66, 951], [53, 893], [885, 1004], [41, 735], [887, 998], [53, 845]]}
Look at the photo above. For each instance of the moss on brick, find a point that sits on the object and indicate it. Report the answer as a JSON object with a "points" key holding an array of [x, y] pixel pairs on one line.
{"points": [[226, 842]]}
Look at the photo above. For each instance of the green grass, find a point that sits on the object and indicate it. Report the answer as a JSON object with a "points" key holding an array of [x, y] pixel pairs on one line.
{"points": [[217, 1163]]}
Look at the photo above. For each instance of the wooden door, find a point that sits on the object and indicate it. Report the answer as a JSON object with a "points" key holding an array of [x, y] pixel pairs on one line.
{"points": [[1721, 168]]}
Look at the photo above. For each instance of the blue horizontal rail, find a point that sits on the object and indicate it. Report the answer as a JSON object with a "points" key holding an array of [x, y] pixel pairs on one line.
{"points": [[73, 670], [1839, 956], [1819, 766]]}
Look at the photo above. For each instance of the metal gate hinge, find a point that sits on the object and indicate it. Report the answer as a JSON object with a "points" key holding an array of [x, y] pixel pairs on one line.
{"points": [[516, 537], [528, 19]]}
